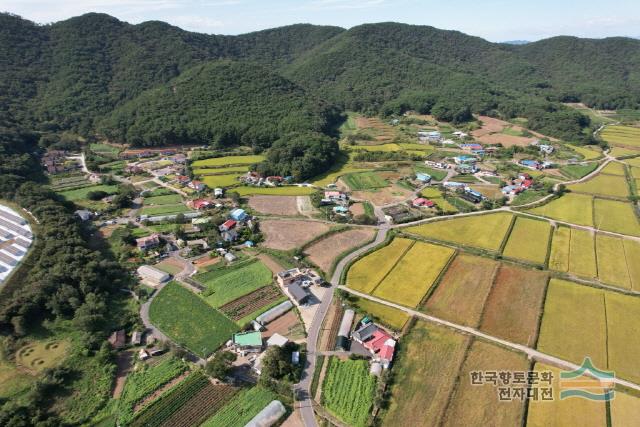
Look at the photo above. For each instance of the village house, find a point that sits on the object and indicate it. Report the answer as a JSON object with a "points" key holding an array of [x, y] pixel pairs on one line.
{"points": [[217, 192], [148, 242], [423, 177], [136, 338], [466, 168], [200, 204], [531, 164], [84, 214], [228, 231], [437, 165], [471, 195], [303, 276], [460, 134], [247, 342], [459, 160], [118, 339], [421, 202], [134, 169], [238, 214], [430, 136], [182, 179], [197, 185], [274, 180], [335, 196], [470, 147], [152, 275], [379, 343], [297, 293]]}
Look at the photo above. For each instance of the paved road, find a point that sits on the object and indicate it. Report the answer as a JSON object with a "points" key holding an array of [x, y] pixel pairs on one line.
{"points": [[530, 352], [303, 388]]}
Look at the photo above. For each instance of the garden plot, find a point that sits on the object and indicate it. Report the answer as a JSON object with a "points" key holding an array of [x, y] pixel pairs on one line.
{"points": [[348, 390], [274, 205], [247, 307], [199, 406], [603, 185], [412, 278], [460, 296], [325, 252], [480, 405], [480, 231], [572, 208], [224, 285], [242, 408], [529, 240], [425, 375], [513, 307], [290, 234], [618, 217], [366, 273], [364, 181], [567, 412], [189, 320], [573, 323]]}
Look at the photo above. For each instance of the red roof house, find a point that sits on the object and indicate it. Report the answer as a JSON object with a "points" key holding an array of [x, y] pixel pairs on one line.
{"points": [[227, 225], [201, 204], [420, 201]]}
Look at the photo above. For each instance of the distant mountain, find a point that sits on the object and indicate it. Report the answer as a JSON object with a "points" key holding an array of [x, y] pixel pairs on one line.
{"points": [[516, 42]]}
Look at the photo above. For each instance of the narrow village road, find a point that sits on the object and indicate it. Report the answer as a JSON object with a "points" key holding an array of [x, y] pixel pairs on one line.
{"points": [[530, 352]]}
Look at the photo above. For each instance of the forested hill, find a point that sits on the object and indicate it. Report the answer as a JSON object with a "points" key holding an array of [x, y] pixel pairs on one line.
{"points": [[72, 74]]}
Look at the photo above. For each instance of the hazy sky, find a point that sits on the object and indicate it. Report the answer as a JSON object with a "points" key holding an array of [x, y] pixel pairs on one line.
{"points": [[495, 20]]}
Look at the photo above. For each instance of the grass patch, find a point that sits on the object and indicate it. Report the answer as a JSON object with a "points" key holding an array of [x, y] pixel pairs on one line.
{"points": [[81, 193], [164, 209], [228, 180], [189, 320], [225, 285], [166, 199], [578, 171], [364, 181]]}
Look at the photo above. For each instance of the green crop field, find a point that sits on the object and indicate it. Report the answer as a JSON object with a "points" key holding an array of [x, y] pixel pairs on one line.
{"points": [[242, 408], [481, 231], [365, 274], [213, 181], [436, 196], [436, 174], [227, 161], [164, 209], [364, 181], [348, 389], [225, 285], [573, 323], [425, 373], [388, 316], [286, 190], [612, 262], [463, 290], [566, 412], [579, 170], [81, 193], [604, 185], [572, 208], [167, 199], [143, 382], [412, 277], [529, 240], [619, 217], [189, 320], [220, 170]]}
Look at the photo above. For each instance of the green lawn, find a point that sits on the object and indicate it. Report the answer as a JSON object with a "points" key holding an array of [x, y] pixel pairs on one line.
{"points": [[81, 193], [164, 209], [364, 181], [227, 284], [168, 199], [190, 321]]}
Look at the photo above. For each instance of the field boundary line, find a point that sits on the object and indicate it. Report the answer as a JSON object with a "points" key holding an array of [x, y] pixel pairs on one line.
{"points": [[507, 235], [438, 281], [530, 352], [404, 253], [456, 384], [606, 328], [543, 303], [494, 277]]}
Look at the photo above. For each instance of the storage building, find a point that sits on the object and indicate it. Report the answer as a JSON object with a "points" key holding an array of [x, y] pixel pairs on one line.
{"points": [[274, 313], [153, 275], [345, 329], [268, 416]]}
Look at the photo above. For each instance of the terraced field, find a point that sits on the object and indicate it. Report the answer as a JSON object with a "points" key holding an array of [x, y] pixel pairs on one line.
{"points": [[622, 136], [603, 185]]}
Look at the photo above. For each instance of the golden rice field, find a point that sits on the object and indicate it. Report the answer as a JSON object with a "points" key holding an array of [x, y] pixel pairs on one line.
{"points": [[227, 161], [481, 231], [567, 412], [573, 250], [626, 136], [612, 262], [414, 274], [286, 190], [614, 168], [529, 240], [588, 153], [571, 207], [635, 172], [615, 216], [573, 323], [559, 256], [603, 185], [634, 161], [365, 274], [625, 410], [416, 147], [632, 253], [388, 316], [623, 152], [623, 326], [220, 170]]}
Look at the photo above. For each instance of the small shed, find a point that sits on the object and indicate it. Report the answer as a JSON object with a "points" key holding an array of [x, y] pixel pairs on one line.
{"points": [[136, 338], [277, 340]]}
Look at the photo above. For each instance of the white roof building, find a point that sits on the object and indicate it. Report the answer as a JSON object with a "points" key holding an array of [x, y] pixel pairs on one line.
{"points": [[277, 340], [152, 275]]}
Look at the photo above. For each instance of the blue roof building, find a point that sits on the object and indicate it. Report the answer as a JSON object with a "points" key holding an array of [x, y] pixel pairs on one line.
{"points": [[424, 177], [238, 214]]}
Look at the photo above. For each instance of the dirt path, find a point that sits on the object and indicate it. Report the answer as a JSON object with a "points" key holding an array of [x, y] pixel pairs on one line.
{"points": [[124, 365], [159, 391], [271, 264]]}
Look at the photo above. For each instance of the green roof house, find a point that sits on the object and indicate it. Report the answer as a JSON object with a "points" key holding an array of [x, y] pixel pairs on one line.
{"points": [[248, 341]]}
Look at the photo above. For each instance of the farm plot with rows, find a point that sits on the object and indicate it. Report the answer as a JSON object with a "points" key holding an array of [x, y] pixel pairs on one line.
{"points": [[170, 402], [189, 320], [365, 274], [460, 296], [480, 405], [567, 412], [425, 375], [529, 240], [603, 185], [364, 181], [412, 278], [571, 207], [480, 231], [201, 406], [252, 304], [224, 285], [242, 408], [514, 305], [348, 389], [325, 252], [615, 216], [573, 323]]}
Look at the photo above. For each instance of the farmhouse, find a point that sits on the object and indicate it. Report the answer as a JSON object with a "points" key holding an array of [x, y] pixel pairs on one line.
{"points": [[297, 293], [200, 204], [197, 185], [470, 147], [421, 202], [466, 168], [183, 180], [377, 341], [531, 164], [304, 277], [145, 243], [464, 159], [472, 195], [238, 214], [84, 214], [152, 275], [335, 196], [248, 342], [423, 177]]}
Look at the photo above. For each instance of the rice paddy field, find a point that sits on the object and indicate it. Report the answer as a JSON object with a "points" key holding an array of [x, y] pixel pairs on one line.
{"points": [[624, 136], [612, 262], [425, 374], [574, 323], [625, 410], [614, 168], [623, 334], [365, 274], [529, 240], [513, 308], [615, 216], [573, 251], [461, 294], [480, 231], [382, 147], [587, 152], [603, 185], [228, 180], [411, 278], [573, 208], [227, 161], [388, 316], [567, 412]]}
